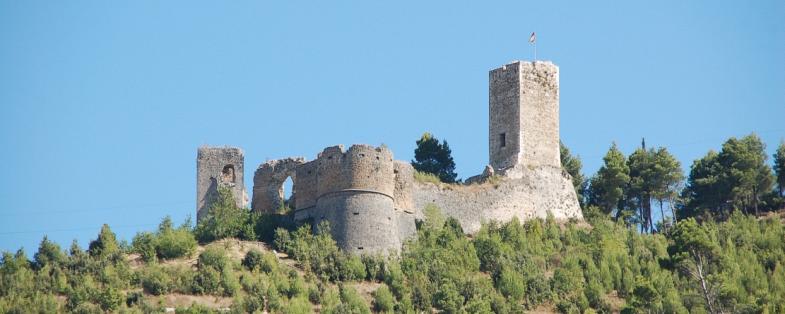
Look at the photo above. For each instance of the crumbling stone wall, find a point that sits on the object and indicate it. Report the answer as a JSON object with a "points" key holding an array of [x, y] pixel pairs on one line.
{"points": [[371, 201], [356, 193], [216, 167], [268, 193], [535, 193], [404, 183]]}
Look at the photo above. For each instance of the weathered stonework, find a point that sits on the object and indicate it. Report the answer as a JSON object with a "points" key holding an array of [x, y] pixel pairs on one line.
{"points": [[268, 193], [524, 115], [534, 194], [371, 201], [216, 167], [360, 194]]}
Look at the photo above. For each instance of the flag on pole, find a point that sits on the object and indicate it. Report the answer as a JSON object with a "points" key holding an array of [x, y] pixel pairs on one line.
{"points": [[532, 38]]}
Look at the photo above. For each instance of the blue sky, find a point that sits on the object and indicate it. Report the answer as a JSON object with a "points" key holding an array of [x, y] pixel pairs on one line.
{"points": [[104, 103]]}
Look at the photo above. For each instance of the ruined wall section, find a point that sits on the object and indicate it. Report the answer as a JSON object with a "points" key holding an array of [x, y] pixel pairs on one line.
{"points": [[404, 184], [268, 180], [537, 192], [305, 185], [355, 192], [217, 167]]}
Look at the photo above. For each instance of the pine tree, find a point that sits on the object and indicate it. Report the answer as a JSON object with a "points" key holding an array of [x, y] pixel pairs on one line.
{"points": [[667, 179], [746, 171], [779, 167], [106, 244], [639, 191], [608, 185], [706, 191], [433, 157]]}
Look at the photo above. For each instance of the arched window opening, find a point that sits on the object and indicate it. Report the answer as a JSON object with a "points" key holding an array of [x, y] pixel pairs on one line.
{"points": [[227, 174]]}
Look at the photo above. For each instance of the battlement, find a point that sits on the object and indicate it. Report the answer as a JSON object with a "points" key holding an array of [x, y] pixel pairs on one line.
{"points": [[360, 168]]}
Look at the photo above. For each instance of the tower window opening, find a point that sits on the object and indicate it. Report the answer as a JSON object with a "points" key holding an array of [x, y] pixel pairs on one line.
{"points": [[227, 174], [503, 140]]}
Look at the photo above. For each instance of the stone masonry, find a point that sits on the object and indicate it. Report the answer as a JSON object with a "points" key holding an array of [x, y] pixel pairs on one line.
{"points": [[218, 167], [371, 200], [362, 192]]}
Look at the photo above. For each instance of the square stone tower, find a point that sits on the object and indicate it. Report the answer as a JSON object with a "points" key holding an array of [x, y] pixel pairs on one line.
{"points": [[218, 167], [524, 115]]}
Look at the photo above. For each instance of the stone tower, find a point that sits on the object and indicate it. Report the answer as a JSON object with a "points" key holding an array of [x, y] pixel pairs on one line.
{"points": [[524, 115], [216, 167], [362, 192]]}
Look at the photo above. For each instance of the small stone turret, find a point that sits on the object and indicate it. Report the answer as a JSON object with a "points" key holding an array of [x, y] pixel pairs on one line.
{"points": [[218, 167]]}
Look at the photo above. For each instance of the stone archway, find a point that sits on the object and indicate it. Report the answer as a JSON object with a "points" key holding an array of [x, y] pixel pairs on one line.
{"points": [[268, 181]]}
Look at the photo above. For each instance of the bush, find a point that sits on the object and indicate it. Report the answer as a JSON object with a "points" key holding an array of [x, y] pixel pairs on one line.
{"points": [[156, 281], [174, 243], [213, 256], [207, 281], [383, 300], [256, 260], [105, 244], [511, 284], [166, 243], [144, 243], [225, 220], [352, 302], [110, 299]]}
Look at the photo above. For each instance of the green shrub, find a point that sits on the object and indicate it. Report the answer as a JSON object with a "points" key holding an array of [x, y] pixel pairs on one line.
{"points": [[207, 281], [383, 300], [298, 305], [105, 244], [213, 256], [257, 260], [144, 243], [175, 243], [229, 282], [225, 220], [166, 243], [49, 253], [110, 299], [352, 302], [511, 284], [156, 281]]}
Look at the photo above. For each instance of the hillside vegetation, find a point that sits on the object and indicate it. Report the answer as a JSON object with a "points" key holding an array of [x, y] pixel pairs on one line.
{"points": [[721, 250], [541, 265]]}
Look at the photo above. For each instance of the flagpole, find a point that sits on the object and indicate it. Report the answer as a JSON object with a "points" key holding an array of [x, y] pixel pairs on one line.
{"points": [[535, 50]]}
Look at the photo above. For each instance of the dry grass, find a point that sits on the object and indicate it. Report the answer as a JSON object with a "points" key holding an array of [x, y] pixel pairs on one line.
{"points": [[424, 177]]}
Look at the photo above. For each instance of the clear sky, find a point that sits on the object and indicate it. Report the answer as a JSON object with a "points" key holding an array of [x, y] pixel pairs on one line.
{"points": [[104, 103]]}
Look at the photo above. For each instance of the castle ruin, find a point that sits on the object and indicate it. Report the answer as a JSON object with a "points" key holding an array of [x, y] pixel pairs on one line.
{"points": [[219, 167], [372, 201]]}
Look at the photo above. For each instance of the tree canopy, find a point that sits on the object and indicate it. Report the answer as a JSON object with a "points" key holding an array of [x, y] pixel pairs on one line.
{"points": [[434, 157]]}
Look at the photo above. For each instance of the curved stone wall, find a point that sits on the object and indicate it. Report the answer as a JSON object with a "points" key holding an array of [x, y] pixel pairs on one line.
{"points": [[355, 191]]}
